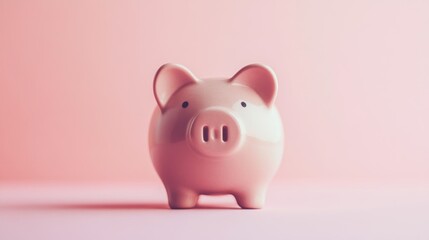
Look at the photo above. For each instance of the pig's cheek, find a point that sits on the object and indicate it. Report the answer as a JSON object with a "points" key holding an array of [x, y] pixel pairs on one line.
{"points": [[175, 125]]}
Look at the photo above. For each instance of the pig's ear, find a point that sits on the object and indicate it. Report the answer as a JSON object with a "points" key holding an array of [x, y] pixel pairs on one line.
{"points": [[168, 79], [261, 79]]}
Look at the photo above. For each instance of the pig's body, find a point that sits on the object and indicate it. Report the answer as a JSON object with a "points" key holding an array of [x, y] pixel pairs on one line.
{"points": [[226, 139]]}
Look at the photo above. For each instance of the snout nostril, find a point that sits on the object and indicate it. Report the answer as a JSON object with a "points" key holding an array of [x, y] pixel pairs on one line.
{"points": [[224, 133], [205, 134]]}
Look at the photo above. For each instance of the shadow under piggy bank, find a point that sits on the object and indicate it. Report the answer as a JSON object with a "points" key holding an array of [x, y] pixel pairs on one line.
{"points": [[110, 206]]}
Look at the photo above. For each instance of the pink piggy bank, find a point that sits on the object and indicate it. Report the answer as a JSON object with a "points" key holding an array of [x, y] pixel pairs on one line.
{"points": [[216, 136]]}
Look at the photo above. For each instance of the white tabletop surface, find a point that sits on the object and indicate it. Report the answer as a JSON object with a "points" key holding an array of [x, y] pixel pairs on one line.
{"points": [[294, 210]]}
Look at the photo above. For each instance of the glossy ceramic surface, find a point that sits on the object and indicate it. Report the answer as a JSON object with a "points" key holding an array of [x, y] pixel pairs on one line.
{"points": [[216, 136]]}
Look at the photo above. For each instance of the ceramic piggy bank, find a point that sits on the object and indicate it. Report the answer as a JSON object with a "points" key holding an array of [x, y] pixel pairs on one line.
{"points": [[216, 136]]}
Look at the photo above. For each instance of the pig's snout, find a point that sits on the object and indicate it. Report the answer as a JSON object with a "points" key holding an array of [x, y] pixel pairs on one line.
{"points": [[215, 132]]}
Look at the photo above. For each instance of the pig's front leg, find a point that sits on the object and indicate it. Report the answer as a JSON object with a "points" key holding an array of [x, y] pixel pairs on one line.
{"points": [[251, 199], [181, 198]]}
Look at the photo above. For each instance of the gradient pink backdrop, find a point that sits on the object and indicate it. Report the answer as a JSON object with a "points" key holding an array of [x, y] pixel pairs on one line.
{"points": [[76, 76]]}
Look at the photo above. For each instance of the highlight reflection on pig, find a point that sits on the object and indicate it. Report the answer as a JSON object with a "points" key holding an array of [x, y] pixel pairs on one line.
{"points": [[216, 136]]}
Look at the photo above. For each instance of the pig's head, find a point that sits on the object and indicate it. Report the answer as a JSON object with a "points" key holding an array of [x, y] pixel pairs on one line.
{"points": [[215, 117]]}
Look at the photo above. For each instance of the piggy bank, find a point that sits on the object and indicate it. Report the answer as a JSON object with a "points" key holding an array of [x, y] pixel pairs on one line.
{"points": [[215, 136]]}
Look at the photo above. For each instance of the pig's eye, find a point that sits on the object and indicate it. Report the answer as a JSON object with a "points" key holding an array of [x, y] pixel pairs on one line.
{"points": [[185, 104], [243, 104]]}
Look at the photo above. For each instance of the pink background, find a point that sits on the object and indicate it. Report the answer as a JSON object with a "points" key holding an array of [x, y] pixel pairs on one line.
{"points": [[76, 77]]}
